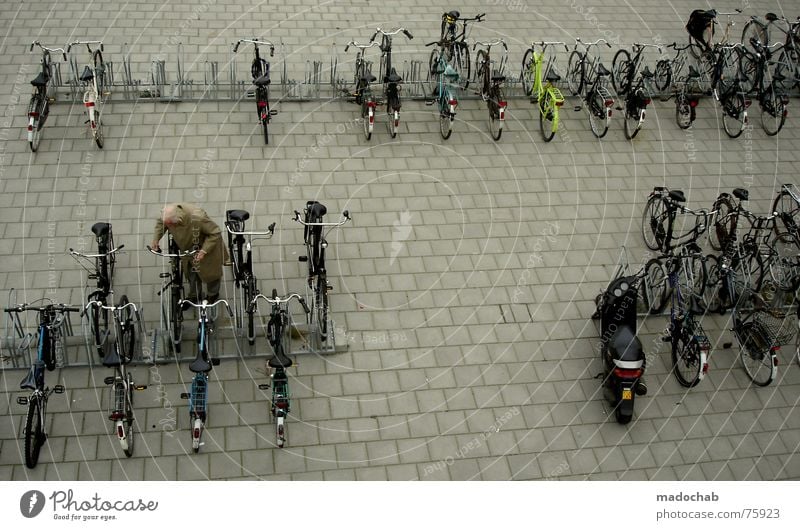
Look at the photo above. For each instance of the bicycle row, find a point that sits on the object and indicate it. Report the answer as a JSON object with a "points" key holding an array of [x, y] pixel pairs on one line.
{"points": [[755, 275], [116, 329]]}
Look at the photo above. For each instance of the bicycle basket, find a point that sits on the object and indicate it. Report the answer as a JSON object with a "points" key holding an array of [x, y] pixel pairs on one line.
{"points": [[779, 327], [197, 403]]}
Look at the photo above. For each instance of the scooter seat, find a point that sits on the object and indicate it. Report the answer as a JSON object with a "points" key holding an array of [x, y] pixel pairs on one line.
{"points": [[625, 346], [279, 361], [40, 80], [237, 215], [602, 70], [87, 74]]}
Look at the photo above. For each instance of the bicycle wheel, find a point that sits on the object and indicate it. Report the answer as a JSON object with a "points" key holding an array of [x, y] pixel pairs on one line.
{"points": [[727, 68], [789, 211], [393, 117], [176, 319], [547, 116], [496, 115], [445, 120], [773, 113], [723, 222], [34, 436], [598, 113], [35, 121], [693, 276], [461, 63], [663, 75], [575, 72], [754, 31], [687, 362], [527, 72], [655, 286], [633, 121], [482, 68], [711, 294], [128, 339], [321, 305], [734, 115], [621, 69], [265, 126], [367, 116], [127, 444], [653, 218], [433, 72], [755, 346], [748, 72], [683, 111], [98, 128], [747, 274], [99, 73], [250, 292]]}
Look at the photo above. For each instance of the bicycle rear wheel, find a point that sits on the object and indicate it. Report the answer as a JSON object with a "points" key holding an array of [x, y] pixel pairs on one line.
{"points": [[176, 319], [633, 121], [547, 116], [621, 71], [598, 113], [653, 218], [663, 75], [575, 72], [655, 286], [34, 436], [687, 362], [496, 113], [127, 426], [723, 222], [789, 209], [773, 113], [98, 129], [128, 339], [445, 122], [36, 122], [711, 294], [734, 114], [755, 351], [527, 72], [321, 305], [461, 63]]}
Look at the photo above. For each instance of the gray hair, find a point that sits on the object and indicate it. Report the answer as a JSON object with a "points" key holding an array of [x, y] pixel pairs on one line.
{"points": [[170, 214]]}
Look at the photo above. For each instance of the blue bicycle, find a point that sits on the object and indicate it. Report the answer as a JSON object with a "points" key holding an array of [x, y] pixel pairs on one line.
{"points": [[445, 79]]}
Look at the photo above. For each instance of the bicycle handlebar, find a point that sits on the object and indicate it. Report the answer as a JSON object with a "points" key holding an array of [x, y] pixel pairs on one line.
{"points": [[76, 253], [491, 43], [345, 214], [205, 305], [256, 42], [275, 300], [87, 43], [181, 254], [545, 44], [25, 307], [389, 33], [361, 46], [587, 45], [39, 44], [99, 304], [645, 45], [270, 231]]}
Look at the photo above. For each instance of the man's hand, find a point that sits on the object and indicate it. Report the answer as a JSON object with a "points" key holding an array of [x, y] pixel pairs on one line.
{"points": [[154, 246], [199, 256]]}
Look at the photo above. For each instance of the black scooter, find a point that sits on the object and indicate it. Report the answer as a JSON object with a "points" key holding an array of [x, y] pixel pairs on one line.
{"points": [[621, 350]]}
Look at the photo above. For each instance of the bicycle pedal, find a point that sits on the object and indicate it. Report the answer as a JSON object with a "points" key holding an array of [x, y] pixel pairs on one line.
{"points": [[429, 102], [214, 362], [302, 258], [22, 400], [58, 389], [329, 287], [578, 108], [109, 380], [140, 387], [184, 395]]}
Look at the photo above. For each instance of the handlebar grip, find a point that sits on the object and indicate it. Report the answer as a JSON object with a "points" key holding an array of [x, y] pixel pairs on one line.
{"points": [[69, 47], [346, 213], [274, 294], [608, 44], [408, 34], [432, 43], [296, 215], [479, 17], [272, 51], [236, 47], [121, 247], [271, 227], [65, 56], [346, 48], [101, 47], [32, 46], [372, 39]]}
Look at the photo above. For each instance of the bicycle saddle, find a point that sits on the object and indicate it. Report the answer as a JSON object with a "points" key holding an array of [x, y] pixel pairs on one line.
{"points": [[101, 229], [200, 365], [315, 209], [111, 359], [498, 78], [677, 195], [35, 374], [647, 73], [625, 346], [771, 17], [693, 73], [452, 14], [602, 70], [741, 194], [552, 76], [694, 248], [87, 74], [237, 215], [263, 80], [40, 80], [368, 78], [392, 77], [279, 361]]}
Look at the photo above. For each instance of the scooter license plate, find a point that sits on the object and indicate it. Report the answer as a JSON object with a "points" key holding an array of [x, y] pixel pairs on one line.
{"points": [[627, 394]]}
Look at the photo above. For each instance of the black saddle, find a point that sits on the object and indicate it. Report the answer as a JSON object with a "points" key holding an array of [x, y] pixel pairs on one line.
{"points": [[111, 359], [101, 229], [453, 14], [87, 74], [315, 210], [647, 73], [625, 346], [392, 77], [693, 73], [263, 80], [552, 76], [498, 78], [200, 365], [741, 194], [771, 17], [602, 70], [40, 80], [368, 78], [677, 195], [35, 375], [237, 215], [279, 361]]}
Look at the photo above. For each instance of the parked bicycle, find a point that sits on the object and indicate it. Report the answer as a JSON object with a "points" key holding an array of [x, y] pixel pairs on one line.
{"points": [[259, 70], [201, 366], [245, 282], [538, 83], [53, 326], [391, 79], [314, 236], [445, 83], [363, 95], [758, 68], [624, 69], [787, 66], [490, 75], [93, 78], [171, 314], [453, 44], [100, 268], [119, 350], [637, 99], [717, 61], [585, 72], [39, 107], [787, 206], [279, 337]]}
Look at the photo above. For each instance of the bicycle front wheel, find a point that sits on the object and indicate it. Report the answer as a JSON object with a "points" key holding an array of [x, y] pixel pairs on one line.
{"points": [[496, 112], [461, 63], [128, 440], [34, 435], [633, 121], [734, 114], [367, 115], [598, 113], [655, 286], [35, 122], [128, 339], [321, 306], [575, 72], [621, 71], [176, 319], [527, 72], [653, 218], [687, 356], [445, 120], [773, 113], [755, 351], [754, 31], [97, 131], [724, 222], [547, 116], [789, 209]]}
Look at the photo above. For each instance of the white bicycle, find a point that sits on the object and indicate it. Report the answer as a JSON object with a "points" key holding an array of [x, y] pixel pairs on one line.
{"points": [[93, 79]]}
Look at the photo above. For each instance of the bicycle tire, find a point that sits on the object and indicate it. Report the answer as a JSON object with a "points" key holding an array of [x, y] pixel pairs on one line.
{"points": [[621, 72], [527, 72], [176, 319], [576, 72], [655, 286], [482, 68], [445, 121], [748, 274], [694, 277], [250, 292], [34, 437], [547, 113], [711, 294], [393, 117], [663, 75], [726, 70], [773, 113], [748, 72], [632, 120], [366, 110], [98, 129], [265, 127], [495, 123], [723, 222], [99, 73], [653, 217], [754, 351], [734, 115], [789, 209], [128, 339], [598, 114], [321, 295], [686, 357], [36, 124], [683, 111], [461, 63], [433, 71], [754, 30]]}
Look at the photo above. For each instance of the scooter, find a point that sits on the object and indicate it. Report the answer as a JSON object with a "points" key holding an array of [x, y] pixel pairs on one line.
{"points": [[621, 351]]}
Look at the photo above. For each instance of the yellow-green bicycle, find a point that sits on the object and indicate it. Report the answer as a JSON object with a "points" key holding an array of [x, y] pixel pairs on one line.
{"points": [[537, 81]]}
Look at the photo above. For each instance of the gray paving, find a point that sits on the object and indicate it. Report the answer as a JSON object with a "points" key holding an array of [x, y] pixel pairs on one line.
{"points": [[463, 288]]}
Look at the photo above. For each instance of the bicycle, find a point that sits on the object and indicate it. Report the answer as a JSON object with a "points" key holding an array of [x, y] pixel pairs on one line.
{"points": [[278, 334], [636, 101], [583, 72], [787, 205], [454, 44], [445, 79], [316, 243], [624, 69], [241, 252], [757, 29], [771, 99], [201, 366], [53, 325], [787, 67], [578, 63], [103, 271], [93, 79], [39, 106], [491, 85], [716, 60], [391, 79], [171, 315], [732, 99], [118, 353], [363, 91], [537, 82], [259, 70]]}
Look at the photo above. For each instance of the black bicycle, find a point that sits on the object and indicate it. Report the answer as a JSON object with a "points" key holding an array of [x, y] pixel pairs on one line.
{"points": [[316, 243], [756, 68], [363, 80], [241, 252], [391, 79], [53, 325], [171, 314], [491, 76], [585, 72], [279, 336], [624, 68], [39, 107], [102, 270], [259, 70], [453, 42]]}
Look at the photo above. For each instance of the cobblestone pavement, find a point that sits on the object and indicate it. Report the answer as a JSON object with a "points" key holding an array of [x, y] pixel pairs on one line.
{"points": [[463, 288]]}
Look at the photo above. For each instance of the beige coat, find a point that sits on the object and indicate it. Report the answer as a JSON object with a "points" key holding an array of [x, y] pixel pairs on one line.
{"points": [[196, 230]]}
